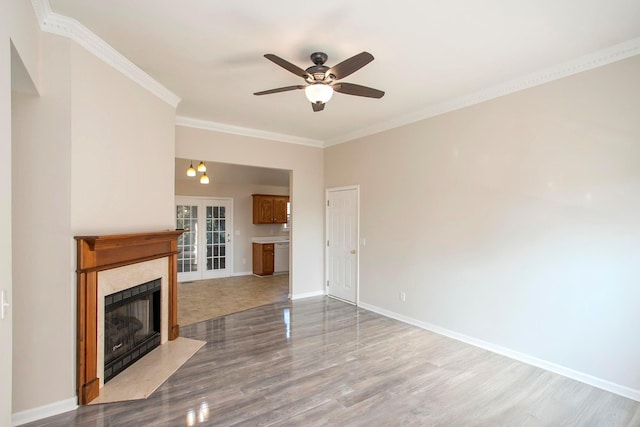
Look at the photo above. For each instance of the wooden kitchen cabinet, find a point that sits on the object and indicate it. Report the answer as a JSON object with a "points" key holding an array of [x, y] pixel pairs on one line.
{"points": [[263, 259], [269, 209]]}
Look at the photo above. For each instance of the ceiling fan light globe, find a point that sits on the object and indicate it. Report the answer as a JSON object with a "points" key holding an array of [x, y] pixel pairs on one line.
{"points": [[318, 93]]}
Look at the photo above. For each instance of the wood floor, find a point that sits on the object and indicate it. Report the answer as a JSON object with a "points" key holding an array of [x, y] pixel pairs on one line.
{"points": [[321, 362]]}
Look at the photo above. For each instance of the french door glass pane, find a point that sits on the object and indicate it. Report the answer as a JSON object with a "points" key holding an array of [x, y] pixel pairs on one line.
{"points": [[215, 237], [187, 220]]}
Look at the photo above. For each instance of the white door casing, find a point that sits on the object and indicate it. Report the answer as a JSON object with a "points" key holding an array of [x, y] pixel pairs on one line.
{"points": [[342, 243], [205, 250]]}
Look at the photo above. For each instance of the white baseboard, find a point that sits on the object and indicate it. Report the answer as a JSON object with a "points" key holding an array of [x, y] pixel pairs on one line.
{"points": [[250, 273], [242, 273], [308, 295], [540, 363], [45, 411]]}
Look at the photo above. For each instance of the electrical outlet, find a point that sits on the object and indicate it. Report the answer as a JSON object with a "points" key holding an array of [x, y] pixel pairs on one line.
{"points": [[403, 296]]}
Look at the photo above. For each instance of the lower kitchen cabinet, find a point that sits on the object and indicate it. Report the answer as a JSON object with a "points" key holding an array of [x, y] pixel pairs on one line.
{"points": [[263, 259]]}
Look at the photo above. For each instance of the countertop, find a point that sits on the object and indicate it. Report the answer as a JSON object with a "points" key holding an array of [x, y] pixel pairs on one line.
{"points": [[273, 239]]}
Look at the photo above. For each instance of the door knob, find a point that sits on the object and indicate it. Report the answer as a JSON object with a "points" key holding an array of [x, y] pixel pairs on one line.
{"points": [[353, 251]]}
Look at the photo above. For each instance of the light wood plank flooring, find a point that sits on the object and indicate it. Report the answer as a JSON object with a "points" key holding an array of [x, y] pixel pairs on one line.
{"points": [[207, 299], [321, 362]]}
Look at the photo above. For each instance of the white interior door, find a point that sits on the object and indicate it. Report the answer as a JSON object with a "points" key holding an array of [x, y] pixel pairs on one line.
{"points": [[342, 243], [205, 248]]}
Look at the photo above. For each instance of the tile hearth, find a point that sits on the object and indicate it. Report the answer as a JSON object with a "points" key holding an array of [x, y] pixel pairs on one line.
{"points": [[147, 374]]}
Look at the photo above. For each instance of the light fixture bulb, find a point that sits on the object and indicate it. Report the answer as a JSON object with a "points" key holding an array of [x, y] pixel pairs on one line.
{"points": [[318, 93], [202, 167], [191, 171], [204, 179]]}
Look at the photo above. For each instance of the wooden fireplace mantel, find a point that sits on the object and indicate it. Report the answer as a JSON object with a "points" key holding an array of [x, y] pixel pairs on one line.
{"points": [[99, 253]]}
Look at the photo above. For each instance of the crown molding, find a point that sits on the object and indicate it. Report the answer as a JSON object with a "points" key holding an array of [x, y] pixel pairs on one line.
{"points": [[587, 62], [70, 28], [254, 133]]}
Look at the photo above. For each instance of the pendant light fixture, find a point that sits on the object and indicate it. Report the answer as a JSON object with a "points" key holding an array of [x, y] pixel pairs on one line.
{"points": [[191, 171]]}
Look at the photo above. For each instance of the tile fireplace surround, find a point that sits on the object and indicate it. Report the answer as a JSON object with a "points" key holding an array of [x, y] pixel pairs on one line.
{"points": [[121, 278], [109, 263]]}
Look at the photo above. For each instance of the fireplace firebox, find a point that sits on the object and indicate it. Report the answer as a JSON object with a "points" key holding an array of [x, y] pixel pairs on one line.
{"points": [[131, 326]]}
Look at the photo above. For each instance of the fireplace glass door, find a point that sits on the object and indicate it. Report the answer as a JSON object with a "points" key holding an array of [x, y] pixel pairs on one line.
{"points": [[131, 326]]}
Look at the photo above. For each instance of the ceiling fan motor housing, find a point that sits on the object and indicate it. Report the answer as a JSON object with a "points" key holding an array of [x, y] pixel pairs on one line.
{"points": [[319, 70]]}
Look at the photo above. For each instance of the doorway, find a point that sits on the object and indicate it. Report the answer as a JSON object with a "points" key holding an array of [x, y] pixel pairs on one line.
{"points": [[205, 248], [236, 183], [342, 229]]}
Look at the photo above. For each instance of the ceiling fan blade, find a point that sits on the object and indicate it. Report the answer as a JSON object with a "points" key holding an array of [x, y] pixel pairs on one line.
{"points": [[357, 90], [288, 66], [349, 66], [280, 89], [317, 107]]}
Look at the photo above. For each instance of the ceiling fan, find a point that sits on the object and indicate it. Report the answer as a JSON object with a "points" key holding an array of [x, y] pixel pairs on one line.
{"points": [[322, 81]]}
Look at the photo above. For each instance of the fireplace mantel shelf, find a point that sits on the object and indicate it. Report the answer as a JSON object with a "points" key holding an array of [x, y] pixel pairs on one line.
{"points": [[104, 252], [115, 250]]}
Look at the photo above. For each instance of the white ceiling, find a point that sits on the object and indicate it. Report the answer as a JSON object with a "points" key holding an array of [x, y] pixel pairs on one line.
{"points": [[427, 53]]}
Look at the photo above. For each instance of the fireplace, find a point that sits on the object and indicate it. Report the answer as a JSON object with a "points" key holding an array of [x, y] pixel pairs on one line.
{"points": [[131, 326], [109, 266]]}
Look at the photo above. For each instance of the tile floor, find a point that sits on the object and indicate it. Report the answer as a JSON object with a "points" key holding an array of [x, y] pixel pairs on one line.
{"points": [[207, 299]]}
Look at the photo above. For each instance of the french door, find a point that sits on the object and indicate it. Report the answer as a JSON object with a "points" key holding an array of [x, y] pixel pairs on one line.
{"points": [[205, 248]]}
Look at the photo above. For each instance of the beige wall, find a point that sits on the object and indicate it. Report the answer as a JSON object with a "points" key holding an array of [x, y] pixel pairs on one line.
{"points": [[22, 27], [243, 227], [514, 222], [122, 152], [18, 26], [41, 236], [101, 156], [306, 164]]}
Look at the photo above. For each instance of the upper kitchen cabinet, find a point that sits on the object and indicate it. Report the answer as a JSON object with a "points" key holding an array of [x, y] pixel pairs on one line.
{"points": [[269, 209]]}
